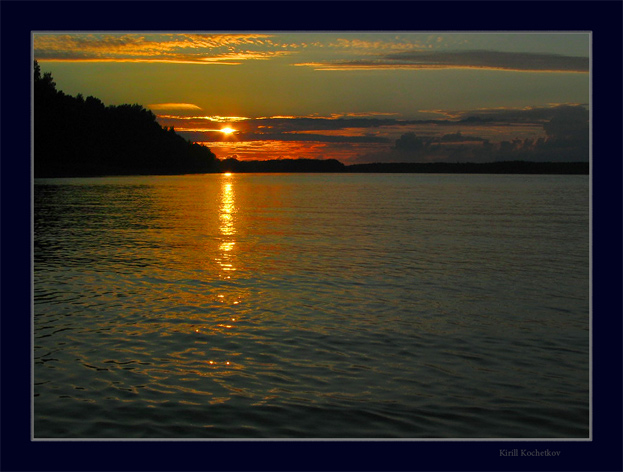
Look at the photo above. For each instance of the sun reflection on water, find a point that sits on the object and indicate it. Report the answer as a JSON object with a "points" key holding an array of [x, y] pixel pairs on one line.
{"points": [[227, 211]]}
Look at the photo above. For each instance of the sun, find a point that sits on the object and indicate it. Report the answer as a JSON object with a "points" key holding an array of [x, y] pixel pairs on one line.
{"points": [[227, 131]]}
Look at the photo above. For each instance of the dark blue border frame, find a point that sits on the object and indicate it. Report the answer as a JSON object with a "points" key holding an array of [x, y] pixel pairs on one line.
{"points": [[20, 18]]}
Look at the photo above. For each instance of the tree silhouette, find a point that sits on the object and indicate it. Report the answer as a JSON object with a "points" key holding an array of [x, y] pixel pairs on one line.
{"points": [[74, 136]]}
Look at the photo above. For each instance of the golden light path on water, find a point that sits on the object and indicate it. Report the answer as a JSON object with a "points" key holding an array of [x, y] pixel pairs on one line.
{"points": [[227, 212], [225, 259]]}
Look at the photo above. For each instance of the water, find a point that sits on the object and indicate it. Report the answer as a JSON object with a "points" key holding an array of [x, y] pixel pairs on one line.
{"points": [[312, 306]]}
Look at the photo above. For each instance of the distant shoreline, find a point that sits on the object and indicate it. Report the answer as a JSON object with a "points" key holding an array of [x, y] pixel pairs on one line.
{"points": [[334, 166], [503, 167]]}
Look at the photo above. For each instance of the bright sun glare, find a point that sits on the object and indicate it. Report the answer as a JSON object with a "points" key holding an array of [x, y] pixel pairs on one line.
{"points": [[227, 130]]}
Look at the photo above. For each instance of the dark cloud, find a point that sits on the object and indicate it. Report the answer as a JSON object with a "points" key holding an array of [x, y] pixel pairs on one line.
{"points": [[496, 60], [453, 147], [199, 136], [525, 115], [409, 142], [285, 125], [567, 139], [311, 137], [518, 61], [557, 133], [568, 123]]}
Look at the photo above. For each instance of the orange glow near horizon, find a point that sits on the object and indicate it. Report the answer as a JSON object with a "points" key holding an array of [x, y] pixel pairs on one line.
{"points": [[266, 150], [227, 131]]}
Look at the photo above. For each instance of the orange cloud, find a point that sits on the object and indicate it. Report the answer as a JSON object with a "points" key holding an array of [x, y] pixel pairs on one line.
{"points": [[224, 49], [173, 106], [264, 150], [360, 45]]}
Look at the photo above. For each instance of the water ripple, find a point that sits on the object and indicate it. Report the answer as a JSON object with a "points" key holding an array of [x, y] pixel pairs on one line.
{"points": [[263, 306]]}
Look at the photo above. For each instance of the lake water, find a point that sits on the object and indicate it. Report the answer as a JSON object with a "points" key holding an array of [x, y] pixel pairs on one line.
{"points": [[312, 306]]}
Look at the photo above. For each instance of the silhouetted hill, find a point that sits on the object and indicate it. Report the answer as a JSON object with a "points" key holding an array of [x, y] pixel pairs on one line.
{"points": [[74, 136]]}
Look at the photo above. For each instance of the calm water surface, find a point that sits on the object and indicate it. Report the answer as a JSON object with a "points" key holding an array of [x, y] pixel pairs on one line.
{"points": [[312, 306]]}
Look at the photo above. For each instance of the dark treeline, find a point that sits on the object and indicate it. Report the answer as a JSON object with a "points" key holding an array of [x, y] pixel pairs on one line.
{"points": [[332, 165], [74, 136], [504, 167]]}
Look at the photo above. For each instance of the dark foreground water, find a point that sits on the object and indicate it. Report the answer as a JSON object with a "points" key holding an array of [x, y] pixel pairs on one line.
{"points": [[311, 306]]}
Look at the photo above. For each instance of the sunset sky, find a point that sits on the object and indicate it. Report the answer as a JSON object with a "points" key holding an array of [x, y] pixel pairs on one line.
{"points": [[344, 95]]}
